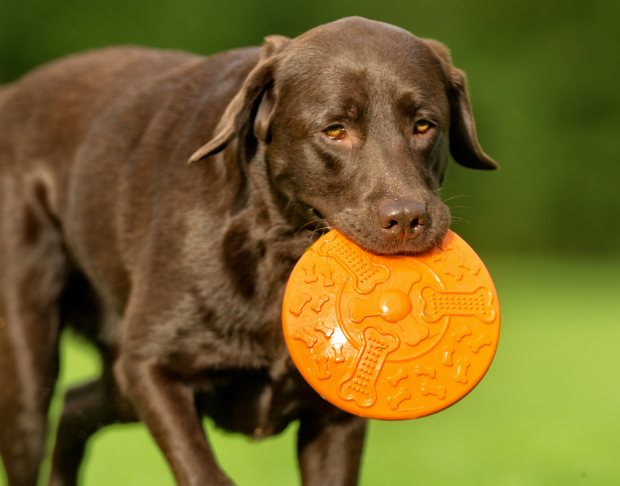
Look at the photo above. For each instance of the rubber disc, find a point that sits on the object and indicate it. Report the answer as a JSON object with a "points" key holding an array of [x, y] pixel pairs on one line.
{"points": [[391, 338]]}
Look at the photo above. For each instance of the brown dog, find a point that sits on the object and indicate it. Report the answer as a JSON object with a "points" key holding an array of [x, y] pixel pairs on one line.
{"points": [[176, 272]]}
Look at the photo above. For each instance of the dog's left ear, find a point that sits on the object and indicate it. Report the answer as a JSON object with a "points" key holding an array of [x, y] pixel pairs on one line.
{"points": [[464, 144], [257, 89]]}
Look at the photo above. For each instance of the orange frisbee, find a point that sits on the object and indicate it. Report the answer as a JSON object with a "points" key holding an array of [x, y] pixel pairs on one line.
{"points": [[391, 338]]}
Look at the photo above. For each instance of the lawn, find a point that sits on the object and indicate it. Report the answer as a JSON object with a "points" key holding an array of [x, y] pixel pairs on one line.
{"points": [[545, 414]]}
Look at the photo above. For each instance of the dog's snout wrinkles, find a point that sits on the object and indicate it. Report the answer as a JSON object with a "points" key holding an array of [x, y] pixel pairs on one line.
{"points": [[402, 219]]}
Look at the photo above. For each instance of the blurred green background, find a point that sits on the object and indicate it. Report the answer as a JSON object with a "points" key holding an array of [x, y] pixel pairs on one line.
{"points": [[544, 86]]}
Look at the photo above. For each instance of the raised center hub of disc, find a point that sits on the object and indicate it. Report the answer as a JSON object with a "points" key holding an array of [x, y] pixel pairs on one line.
{"points": [[394, 305]]}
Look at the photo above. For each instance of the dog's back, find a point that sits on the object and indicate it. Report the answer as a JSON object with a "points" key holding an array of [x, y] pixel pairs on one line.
{"points": [[70, 133], [46, 116]]}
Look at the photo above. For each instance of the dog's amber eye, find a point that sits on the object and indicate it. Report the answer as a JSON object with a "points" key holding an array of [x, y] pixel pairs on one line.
{"points": [[335, 132], [422, 126]]}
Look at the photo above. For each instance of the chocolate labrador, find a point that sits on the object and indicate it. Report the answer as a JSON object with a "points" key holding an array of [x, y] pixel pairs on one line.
{"points": [[176, 271]]}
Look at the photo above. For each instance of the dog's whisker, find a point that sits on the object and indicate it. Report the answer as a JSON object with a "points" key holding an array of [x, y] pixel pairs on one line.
{"points": [[460, 221], [319, 221], [444, 188], [454, 197]]}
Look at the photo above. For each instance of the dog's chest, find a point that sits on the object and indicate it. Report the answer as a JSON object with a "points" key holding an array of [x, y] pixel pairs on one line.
{"points": [[228, 313], [257, 403], [223, 334]]}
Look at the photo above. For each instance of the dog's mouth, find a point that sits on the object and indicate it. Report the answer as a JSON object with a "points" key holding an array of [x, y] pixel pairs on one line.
{"points": [[398, 247], [318, 216], [317, 222], [380, 239]]}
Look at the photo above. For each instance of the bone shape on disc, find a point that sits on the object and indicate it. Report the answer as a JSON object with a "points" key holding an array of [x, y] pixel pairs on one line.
{"points": [[400, 396], [428, 388], [483, 340], [401, 374], [323, 370], [442, 303], [366, 274], [328, 331], [303, 335], [361, 384]]}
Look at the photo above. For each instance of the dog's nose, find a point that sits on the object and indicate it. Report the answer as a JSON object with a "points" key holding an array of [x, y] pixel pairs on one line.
{"points": [[402, 220]]}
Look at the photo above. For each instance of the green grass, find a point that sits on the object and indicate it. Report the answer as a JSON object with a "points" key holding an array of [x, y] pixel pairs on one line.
{"points": [[547, 413]]}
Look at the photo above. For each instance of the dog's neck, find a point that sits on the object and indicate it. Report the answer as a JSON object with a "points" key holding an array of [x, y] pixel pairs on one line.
{"points": [[265, 209]]}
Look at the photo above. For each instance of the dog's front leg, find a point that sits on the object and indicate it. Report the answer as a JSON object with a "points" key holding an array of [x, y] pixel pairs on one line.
{"points": [[330, 450], [167, 407]]}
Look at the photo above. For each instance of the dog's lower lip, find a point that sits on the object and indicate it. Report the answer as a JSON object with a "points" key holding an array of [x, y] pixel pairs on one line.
{"points": [[392, 247], [322, 218]]}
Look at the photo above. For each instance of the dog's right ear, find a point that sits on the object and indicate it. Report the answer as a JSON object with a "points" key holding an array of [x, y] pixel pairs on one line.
{"points": [[257, 88], [464, 144]]}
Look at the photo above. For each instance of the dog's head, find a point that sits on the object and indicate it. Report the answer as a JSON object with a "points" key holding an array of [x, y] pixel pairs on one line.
{"points": [[355, 121]]}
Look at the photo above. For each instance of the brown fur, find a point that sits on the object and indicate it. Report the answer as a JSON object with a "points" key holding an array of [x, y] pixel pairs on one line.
{"points": [[175, 271]]}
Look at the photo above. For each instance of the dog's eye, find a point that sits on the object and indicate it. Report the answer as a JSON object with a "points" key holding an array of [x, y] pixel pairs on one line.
{"points": [[422, 126], [335, 132]]}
